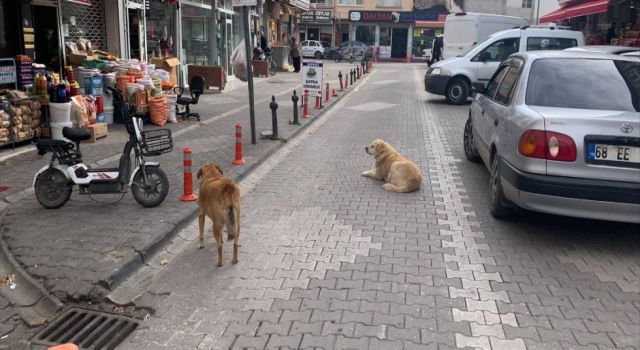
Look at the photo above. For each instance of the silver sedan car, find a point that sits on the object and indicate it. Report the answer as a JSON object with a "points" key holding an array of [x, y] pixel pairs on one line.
{"points": [[559, 132]]}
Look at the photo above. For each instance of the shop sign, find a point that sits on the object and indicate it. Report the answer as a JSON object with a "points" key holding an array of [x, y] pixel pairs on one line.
{"points": [[315, 17], [312, 78], [82, 2], [303, 4], [8, 74], [241, 3], [391, 17]]}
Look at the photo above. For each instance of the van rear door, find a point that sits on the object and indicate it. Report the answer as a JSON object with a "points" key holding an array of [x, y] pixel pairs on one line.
{"points": [[460, 33]]}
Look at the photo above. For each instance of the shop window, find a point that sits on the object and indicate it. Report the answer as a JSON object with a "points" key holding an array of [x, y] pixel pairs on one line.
{"points": [[526, 4], [350, 2], [161, 31], [366, 34], [389, 3], [385, 36], [323, 3]]}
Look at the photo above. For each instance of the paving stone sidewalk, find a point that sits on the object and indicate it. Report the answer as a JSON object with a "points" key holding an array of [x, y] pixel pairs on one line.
{"points": [[96, 240]]}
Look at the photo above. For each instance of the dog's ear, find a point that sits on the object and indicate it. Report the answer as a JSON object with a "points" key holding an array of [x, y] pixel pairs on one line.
{"points": [[199, 174], [219, 169]]}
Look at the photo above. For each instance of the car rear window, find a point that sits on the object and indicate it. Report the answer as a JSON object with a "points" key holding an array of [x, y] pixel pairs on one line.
{"points": [[585, 84]]}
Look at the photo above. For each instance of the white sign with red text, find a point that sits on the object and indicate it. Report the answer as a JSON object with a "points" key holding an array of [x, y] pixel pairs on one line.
{"points": [[312, 78]]}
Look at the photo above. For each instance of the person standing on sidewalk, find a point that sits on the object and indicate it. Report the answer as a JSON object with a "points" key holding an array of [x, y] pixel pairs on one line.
{"points": [[295, 54], [436, 49]]}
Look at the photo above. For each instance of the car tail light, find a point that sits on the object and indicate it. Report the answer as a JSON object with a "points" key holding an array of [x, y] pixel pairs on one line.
{"points": [[547, 145]]}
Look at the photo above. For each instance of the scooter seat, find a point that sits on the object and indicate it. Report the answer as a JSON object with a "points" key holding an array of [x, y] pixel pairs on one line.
{"points": [[76, 134]]}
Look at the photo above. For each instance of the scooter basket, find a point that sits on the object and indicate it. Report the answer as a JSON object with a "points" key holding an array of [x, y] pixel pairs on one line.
{"points": [[156, 142]]}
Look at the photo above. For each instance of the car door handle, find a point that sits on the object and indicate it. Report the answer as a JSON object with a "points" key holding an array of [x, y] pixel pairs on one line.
{"points": [[495, 122]]}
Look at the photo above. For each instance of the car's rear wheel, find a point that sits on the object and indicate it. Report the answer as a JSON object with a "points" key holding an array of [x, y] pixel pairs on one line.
{"points": [[317, 55], [499, 205], [457, 91], [470, 150]]}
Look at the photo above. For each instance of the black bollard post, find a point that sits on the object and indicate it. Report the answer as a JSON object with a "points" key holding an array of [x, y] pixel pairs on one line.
{"points": [[294, 98], [340, 78], [351, 77], [274, 118], [358, 72]]}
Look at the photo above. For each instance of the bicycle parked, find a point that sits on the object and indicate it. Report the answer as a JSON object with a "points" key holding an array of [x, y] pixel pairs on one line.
{"points": [[349, 55], [260, 55]]}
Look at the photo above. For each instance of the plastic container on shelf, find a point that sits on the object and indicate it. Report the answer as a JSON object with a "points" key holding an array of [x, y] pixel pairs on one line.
{"points": [[59, 112], [56, 130]]}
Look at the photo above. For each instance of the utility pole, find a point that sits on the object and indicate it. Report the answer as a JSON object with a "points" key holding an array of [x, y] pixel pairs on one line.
{"points": [[247, 46]]}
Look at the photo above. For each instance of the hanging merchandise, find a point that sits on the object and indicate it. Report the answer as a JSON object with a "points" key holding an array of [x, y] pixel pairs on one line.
{"points": [[239, 62]]}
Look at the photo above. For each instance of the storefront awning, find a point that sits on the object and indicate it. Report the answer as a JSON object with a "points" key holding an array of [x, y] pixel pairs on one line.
{"points": [[588, 7], [429, 24]]}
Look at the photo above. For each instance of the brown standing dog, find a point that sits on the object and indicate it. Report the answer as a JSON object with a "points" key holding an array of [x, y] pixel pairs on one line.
{"points": [[399, 173], [219, 199]]}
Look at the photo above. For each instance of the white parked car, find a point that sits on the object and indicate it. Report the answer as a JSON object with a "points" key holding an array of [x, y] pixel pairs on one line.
{"points": [[455, 76], [559, 132], [312, 48]]}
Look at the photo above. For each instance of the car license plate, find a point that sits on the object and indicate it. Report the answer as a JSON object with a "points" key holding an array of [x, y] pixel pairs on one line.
{"points": [[614, 153]]}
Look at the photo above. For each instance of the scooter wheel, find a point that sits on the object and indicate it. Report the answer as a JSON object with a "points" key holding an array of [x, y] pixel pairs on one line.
{"points": [[52, 189], [152, 192]]}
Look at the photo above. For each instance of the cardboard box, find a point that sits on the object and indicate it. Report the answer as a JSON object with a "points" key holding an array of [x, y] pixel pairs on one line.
{"points": [[98, 131], [168, 64], [77, 59]]}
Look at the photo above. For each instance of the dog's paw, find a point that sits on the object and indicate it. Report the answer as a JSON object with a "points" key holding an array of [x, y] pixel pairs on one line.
{"points": [[234, 261], [220, 264], [201, 246], [367, 173]]}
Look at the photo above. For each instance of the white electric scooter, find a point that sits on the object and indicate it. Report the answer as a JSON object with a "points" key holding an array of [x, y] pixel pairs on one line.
{"points": [[149, 184]]}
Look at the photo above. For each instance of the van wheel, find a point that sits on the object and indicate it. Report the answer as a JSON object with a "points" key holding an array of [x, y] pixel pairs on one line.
{"points": [[457, 91]]}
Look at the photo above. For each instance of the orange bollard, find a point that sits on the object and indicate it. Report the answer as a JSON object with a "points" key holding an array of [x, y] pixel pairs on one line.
{"points": [[305, 111], [334, 94], [67, 346], [318, 101], [326, 95], [188, 195], [238, 160], [346, 83]]}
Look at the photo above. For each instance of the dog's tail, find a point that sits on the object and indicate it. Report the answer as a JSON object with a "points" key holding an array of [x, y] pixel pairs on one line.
{"points": [[233, 222]]}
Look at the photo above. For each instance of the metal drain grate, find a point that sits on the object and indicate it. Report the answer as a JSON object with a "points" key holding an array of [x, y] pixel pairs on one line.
{"points": [[87, 329]]}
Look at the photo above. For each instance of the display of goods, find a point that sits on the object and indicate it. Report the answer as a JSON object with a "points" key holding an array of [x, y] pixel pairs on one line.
{"points": [[171, 107], [69, 74], [158, 110]]}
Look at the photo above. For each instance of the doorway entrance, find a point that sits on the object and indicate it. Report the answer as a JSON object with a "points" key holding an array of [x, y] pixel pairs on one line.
{"points": [[314, 34], [46, 39], [225, 41], [136, 34], [399, 43]]}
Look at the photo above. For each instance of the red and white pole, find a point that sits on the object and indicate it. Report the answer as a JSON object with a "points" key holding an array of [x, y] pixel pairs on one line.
{"points": [[326, 94], [305, 111], [238, 159], [188, 195]]}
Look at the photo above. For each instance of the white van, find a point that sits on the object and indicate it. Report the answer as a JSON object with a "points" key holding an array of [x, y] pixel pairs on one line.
{"points": [[463, 30], [455, 76]]}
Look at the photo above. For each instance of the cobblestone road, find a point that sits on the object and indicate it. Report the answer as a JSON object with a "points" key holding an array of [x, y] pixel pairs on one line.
{"points": [[330, 260]]}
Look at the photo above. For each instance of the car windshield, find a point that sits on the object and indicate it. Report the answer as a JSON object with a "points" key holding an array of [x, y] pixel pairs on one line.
{"points": [[584, 84]]}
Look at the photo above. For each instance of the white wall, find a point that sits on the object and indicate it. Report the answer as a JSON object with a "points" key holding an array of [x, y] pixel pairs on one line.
{"points": [[547, 6]]}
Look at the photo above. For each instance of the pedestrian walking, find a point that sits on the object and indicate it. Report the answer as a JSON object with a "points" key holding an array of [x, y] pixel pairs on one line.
{"points": [[295, 54], [263, 41], [611, 32], [436, 49]]}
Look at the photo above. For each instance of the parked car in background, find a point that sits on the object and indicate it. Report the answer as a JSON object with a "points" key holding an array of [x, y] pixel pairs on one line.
{"points": [[454, 77], [312, 48], [465, 29], [557, 140], [358, 47], [612, 49]]}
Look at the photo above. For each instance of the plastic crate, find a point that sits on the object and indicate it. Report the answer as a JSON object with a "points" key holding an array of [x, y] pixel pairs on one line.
{"points": [[156, 142]]}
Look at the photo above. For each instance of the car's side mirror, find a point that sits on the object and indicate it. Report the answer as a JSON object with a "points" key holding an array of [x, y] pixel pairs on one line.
{"points": [[485, 56], [478, 88]]}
